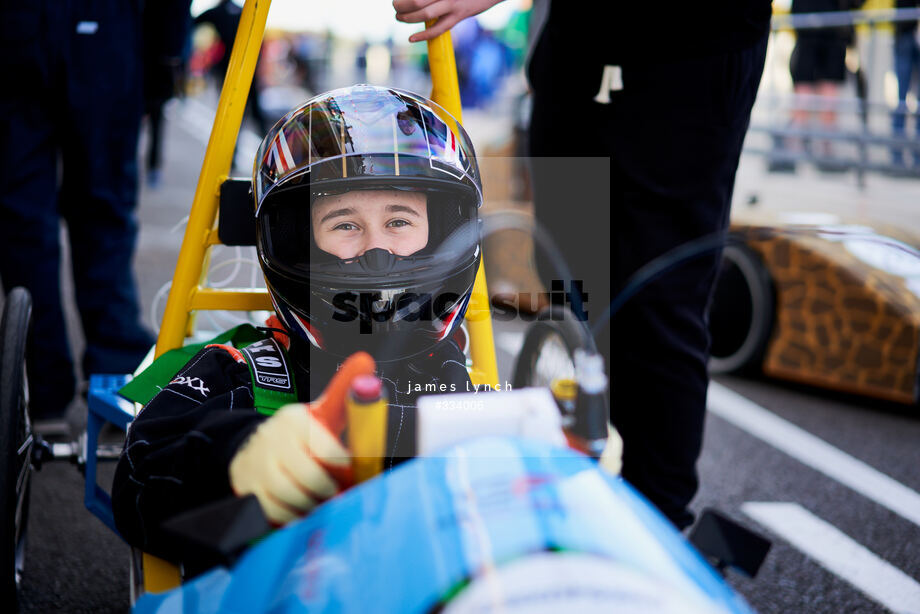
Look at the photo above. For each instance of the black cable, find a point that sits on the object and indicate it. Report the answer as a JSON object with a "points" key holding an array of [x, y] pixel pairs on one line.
{"points": [[707, 243], [665, 262], [512, 221], [661, 265], [674, 257]]}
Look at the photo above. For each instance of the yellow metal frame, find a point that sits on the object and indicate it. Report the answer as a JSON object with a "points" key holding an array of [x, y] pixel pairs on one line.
{"points": [[187, 295]]}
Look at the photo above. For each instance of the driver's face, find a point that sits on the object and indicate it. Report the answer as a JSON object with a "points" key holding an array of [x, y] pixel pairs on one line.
{"points": [[347, 225]]}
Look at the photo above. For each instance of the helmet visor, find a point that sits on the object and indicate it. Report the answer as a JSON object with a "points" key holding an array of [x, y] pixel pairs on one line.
{"points": [[365, 132]]}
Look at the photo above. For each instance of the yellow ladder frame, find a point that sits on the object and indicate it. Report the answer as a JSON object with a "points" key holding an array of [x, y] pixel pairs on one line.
{"points": [[187, 294]]}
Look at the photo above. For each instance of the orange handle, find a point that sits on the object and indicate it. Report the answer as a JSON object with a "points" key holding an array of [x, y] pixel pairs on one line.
{"points": [[329, 409]]}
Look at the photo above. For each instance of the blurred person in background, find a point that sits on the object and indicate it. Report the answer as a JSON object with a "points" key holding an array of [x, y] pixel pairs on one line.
{"points": [[225, 17], [69, 119], [906, 67], [309, 54], [482, 63], [653, 102], [166, 30], [818, 69]]}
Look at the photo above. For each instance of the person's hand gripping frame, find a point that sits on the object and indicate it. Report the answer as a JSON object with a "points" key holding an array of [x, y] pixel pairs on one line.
{"points": [[439, 15], [295, 459]]}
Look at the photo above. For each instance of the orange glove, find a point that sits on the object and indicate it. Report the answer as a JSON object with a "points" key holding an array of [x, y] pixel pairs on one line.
{"points": [[295, 459]]}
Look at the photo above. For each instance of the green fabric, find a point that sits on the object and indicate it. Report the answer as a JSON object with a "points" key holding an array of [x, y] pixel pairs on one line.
{"points": [[268, 401], [151, 380]]}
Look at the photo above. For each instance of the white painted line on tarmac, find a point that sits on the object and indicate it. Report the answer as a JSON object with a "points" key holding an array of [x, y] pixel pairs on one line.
{"points": [[198, 118], [195, 117], [836, 552], [814, 452]]}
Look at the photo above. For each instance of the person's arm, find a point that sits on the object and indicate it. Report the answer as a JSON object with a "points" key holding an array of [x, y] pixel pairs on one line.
{"points": [[178, 450], [295, 459], [448, 13]]}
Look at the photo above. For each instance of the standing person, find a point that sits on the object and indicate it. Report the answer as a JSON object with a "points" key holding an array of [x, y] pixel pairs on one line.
{"points": [[654, 103], [167, 44], [225, 17], [906, 66], [69, 119], [818, 69]]}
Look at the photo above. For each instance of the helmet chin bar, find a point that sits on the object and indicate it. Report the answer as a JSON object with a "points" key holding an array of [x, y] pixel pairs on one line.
{"points": [[390, 324], [376, 260]]}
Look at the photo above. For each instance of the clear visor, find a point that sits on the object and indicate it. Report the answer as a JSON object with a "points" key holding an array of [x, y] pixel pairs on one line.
{"points": [[365, 132]]}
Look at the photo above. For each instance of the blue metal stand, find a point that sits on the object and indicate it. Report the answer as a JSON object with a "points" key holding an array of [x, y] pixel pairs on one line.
{"points": [[105, 405]]}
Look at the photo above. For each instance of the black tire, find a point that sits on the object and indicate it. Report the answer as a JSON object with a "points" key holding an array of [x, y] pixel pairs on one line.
{"points": [[15, 442], [742, 311], [549, 348]]}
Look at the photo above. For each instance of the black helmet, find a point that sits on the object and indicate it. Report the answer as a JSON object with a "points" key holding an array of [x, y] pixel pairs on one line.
{"points": [[368, 138]]}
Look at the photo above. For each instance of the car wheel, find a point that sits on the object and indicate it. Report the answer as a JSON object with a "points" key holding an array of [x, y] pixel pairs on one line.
{"points": [[549, 348], [741, 315], [15, 441]]}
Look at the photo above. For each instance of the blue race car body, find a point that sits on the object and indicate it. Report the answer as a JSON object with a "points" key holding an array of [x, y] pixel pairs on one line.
{"points": [[495, 523]]}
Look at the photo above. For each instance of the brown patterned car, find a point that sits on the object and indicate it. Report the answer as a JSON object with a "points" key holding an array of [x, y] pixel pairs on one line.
{"points": [[818, 301]]}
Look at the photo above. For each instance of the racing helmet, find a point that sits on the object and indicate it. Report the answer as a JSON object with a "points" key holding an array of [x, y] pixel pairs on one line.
{"points": [[368, 138]]}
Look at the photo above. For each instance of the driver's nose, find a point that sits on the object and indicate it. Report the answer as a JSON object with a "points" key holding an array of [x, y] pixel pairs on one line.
{"points": [[375, 240]]}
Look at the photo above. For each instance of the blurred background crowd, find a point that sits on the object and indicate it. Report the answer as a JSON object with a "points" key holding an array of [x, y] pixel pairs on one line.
{"points": [[839, 91]]}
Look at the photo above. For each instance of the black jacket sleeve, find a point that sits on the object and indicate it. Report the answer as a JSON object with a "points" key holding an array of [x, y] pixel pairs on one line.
{"points": [[178, 449]]}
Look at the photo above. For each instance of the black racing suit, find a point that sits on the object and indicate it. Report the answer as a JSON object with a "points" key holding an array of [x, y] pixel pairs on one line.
{"points": [[178, 449]]}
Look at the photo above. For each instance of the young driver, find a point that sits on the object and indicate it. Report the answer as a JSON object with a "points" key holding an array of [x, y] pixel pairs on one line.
{"points": [[366, 201]]}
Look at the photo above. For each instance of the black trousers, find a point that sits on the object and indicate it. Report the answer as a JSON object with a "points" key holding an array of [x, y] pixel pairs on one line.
{"points": [[69, 118], [667, 145]]}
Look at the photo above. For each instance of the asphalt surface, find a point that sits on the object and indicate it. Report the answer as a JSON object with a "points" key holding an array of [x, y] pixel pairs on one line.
{"points": [[74, 564]]}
